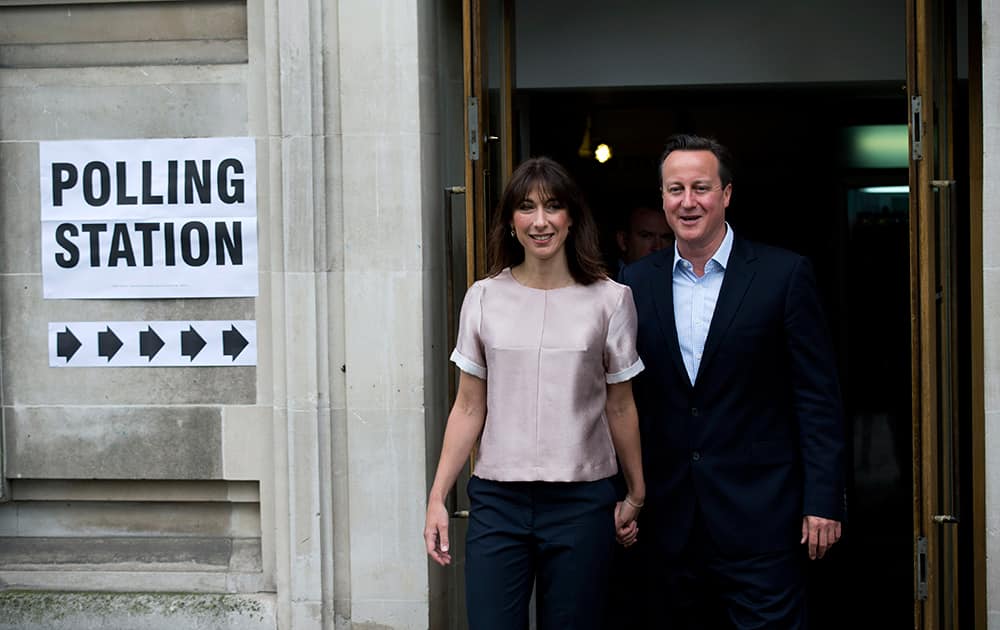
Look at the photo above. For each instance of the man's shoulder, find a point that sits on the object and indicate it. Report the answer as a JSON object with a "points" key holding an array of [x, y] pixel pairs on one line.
{"points": [[751, 250]]}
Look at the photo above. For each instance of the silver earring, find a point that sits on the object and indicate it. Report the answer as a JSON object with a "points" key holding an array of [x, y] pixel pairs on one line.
{"points": [[512, 231]]}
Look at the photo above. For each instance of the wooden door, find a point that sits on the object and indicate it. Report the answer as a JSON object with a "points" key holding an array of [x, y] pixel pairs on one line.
{"points": [[489, 58], [935, 297]]}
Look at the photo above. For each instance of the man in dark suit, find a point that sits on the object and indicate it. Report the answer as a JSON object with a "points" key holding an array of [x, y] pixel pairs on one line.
{"points": [[739, 409]]}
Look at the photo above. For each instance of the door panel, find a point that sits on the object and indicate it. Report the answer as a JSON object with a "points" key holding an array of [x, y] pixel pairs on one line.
{"points": [[489, 118], [487, 33], [934, 308]]}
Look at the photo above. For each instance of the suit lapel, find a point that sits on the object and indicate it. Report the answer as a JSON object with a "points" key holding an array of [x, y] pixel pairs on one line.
{"points": [[739, 274], [663, 294]]}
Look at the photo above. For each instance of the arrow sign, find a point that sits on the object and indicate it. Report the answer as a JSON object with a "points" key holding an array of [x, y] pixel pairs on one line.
{"points": [[191, 343], [177, 343], [233, 342], [149, 343], [67, 344], [108, 344]]}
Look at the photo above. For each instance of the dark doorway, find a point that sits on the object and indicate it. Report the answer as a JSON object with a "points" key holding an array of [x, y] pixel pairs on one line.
{"points": [[798, 187]]}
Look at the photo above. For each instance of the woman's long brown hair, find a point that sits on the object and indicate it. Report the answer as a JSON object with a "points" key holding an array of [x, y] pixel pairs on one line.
{"points": [[583, 252]]}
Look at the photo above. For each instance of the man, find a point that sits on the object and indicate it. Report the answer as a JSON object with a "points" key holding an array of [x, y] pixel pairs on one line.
{"points": [[645, 231], [739, 408]]}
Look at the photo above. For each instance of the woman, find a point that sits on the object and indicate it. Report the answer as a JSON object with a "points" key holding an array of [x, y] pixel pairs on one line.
{"points": [[546, 348]]}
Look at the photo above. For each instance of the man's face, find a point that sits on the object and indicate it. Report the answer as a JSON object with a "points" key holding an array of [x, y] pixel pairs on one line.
{"points": [[648, 232], [694, 200]]}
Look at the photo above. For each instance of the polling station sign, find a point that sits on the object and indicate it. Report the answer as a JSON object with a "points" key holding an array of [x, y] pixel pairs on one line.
{"points": [[155, 218]]}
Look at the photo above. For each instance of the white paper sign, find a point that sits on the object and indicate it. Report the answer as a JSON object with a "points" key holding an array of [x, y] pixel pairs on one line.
{"points": [[153, 344], [149, 218]]}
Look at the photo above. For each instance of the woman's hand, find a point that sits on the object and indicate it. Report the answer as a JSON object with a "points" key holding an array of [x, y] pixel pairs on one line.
{"points": [[436, 533], [623, 420], [626, 527], [465, 423]]}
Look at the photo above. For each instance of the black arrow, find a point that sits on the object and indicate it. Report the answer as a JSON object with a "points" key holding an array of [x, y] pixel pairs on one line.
{"points": [[149, 343], [191, 343], [233, 342], [108, 344], [67, 344]]}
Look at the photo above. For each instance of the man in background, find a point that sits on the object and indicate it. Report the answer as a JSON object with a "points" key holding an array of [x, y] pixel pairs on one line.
{"points": [[644, 231]]}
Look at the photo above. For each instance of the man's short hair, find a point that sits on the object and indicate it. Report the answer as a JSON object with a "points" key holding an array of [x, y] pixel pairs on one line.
{"points": [[688, 142]]}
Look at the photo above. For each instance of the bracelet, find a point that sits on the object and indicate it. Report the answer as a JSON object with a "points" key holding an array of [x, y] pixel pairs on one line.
{"points": [[633, 503]]}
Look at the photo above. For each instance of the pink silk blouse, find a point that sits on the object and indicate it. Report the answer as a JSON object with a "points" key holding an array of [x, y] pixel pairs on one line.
{"points": [[547, 357]]}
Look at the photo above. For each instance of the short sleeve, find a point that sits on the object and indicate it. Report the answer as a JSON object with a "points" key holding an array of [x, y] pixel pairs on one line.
{"points": [[468, 354], [621, 360]]}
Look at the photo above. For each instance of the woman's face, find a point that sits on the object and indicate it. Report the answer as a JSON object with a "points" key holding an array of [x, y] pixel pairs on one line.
{"points": [[541, 224]]}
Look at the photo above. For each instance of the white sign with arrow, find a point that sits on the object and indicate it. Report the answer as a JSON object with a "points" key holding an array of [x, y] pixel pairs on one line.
{"points": [[153, 344]]}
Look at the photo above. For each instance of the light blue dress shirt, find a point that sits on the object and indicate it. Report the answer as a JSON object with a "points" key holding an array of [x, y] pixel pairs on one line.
{"points": [[694, 301]]}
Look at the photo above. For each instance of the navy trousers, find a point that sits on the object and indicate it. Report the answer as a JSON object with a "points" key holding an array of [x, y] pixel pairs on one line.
{"points": [[560, 535], [704, 589]]}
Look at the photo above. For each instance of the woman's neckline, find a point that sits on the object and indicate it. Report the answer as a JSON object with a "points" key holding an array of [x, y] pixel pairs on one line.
{"points": [[510, 272]]}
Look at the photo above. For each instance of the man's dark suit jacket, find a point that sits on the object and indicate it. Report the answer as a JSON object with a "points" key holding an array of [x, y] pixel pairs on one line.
{"points": [[757, 442]]}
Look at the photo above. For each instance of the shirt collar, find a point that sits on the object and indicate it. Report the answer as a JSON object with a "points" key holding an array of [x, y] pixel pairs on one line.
{"points": [[721, 255]]}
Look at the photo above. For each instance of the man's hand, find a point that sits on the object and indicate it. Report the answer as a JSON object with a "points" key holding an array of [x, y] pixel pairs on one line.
{"points": [[626, 527], [820, 534]]}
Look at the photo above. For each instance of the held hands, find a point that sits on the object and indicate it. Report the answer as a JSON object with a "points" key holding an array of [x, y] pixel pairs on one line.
{"points": [[436, 533], [819, 534], [626, 527]]}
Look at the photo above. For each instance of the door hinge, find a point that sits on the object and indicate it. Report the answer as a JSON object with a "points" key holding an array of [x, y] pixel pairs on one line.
{"points": [[916, 127], [473, 128], [921, 568]]}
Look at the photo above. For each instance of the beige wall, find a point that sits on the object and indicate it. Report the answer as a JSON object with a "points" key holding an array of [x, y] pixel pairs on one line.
{"points": [[991, 299], [294, 490]]}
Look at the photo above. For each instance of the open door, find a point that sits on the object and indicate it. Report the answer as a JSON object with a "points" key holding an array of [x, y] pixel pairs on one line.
{"points": [[487, 45], [488, 62], [945, 236], [939, 257], [489, 137]]}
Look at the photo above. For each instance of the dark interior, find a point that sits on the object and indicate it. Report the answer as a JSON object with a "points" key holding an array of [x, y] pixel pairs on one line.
{"points": [[793, 187]]}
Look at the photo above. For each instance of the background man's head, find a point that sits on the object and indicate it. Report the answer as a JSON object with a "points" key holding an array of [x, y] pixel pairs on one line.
{"points": [[644, 231]]}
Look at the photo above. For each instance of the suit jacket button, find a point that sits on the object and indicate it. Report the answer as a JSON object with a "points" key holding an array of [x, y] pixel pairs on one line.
{"points": [[694, 411], [695, 455]]}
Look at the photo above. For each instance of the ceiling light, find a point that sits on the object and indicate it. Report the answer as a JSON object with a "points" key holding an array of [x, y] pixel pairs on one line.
{"points": [[602, 153]]}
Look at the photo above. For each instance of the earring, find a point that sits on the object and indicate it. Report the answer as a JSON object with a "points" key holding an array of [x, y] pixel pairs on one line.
{"points": [[512, 231]]}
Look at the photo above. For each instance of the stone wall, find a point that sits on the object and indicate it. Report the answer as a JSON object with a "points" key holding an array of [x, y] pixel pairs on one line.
{"points": [[290, 494], [991, 298]]}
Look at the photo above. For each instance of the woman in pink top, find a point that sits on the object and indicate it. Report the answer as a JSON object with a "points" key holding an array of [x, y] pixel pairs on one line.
{"points": [[546, 348]]}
